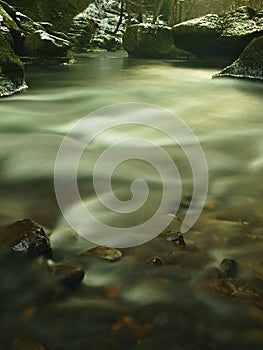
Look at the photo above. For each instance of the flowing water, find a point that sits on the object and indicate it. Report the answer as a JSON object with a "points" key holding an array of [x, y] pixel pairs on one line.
{"points": [[135, 304]]}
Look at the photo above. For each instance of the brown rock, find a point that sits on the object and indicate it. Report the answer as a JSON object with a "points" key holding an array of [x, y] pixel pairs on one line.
{"points": [[69, 274], [27, 237], [107, 253]]}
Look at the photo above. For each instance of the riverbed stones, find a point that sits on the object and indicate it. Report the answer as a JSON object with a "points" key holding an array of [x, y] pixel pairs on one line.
{"points": [[152, 41], [234, 289], [250, 63], [26, 237]]}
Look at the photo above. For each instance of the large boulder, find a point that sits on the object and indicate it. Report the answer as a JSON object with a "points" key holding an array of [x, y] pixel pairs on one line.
{"points": [[82, 31], [38, 41], [223, 36], [250, 63], [59, 12], [152, 41]]}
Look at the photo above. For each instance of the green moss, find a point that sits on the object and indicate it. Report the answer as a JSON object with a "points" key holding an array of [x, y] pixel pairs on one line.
{"points": [[152, 41], [254, 51], [58, 12], [10, 63]]}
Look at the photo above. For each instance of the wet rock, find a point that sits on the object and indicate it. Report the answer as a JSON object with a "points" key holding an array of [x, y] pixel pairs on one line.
{"points": [[107, 253], [156, 261], [175, 237], [69, 274], [26, 237], [250, 63], [223, 36], [229, 268], [26, 344], [152, 41], [234, 289]]}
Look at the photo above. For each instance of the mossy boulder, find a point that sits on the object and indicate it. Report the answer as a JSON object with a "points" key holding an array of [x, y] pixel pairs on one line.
{"points": [[82, 31], [39, 42], [152, 41], [12, 74], [250, 63], [58, 12], [197, 35], [222, 36]]}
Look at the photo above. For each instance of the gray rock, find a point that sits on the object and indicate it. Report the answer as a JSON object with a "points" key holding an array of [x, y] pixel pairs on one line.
{"points": [[250, 63], [152, 41]]}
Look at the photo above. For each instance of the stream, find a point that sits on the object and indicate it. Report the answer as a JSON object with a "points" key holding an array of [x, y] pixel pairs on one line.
{"points": [[132, 303]]}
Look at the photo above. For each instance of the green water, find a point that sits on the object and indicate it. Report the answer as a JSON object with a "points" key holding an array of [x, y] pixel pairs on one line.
{"points": [[226, 116]]}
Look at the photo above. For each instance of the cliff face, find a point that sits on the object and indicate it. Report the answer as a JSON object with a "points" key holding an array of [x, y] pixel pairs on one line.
{"points": [[57, 12]]}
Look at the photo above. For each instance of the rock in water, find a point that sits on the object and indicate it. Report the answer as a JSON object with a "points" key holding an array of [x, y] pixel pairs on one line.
{"points": [[250, 63], [26, 237], [69, 274], [222, 36], [152, 41], [106, 253]]}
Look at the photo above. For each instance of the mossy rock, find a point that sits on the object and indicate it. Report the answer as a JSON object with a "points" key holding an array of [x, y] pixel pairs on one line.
{"points": [[81, 32], [58, 12], [197, 35], [152, 41], [12, 74], [219, 36], [250, 63]]}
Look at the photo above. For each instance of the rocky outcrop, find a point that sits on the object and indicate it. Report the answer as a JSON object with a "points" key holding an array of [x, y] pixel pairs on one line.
{"points": [[12, 74], [222, 36], [82, 31], [38, 41], [20, 37], [250, 63], [59, 12], [152, 41]]}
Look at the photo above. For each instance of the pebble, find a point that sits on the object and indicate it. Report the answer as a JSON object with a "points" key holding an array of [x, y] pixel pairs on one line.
{"points": [[103, 252]]}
